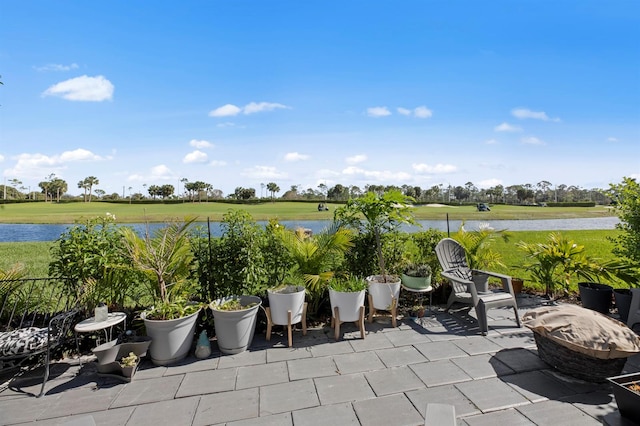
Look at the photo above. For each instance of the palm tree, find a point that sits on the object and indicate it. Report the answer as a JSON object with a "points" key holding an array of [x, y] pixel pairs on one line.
{"points": [[315, 257], [165, 257], [477, 245]]}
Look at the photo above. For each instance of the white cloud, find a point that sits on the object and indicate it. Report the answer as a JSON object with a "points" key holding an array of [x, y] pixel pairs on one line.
{"points": [[1, 158], [83, 88], [492, 142], [488, 183], [79, 155], [195, 157], [254, 107], [355, 159], [217, 163], [612, 139], [524, 113], [437, 169], [295, 156], [57, 67], [419, 112], [200, 144], [378, 112], [38, 165], [264, 172], [161, 172], [531, 140], [506, 127], [228, 110], [422, 112], [378, 175], [226, 124]]}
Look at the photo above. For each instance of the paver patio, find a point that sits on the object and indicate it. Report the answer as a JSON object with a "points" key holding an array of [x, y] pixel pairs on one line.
{"points": [[386, 379]]}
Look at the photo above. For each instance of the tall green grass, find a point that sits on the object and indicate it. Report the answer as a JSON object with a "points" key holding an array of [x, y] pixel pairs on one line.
{"points": [[37, 255]]}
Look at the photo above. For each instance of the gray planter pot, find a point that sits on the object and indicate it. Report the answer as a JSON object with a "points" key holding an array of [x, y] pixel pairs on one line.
{"points": [[171, 339], [235, 329], [109, 355], [416, 283]]}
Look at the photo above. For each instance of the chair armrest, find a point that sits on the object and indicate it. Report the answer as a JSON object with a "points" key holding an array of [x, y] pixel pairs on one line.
{"points": [[471, 286], [505, 279]]}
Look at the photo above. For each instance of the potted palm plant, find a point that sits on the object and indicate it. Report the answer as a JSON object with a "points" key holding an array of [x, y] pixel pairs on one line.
{"points": [[164, 257], [315, 258], [378, 214], [346, 295]]}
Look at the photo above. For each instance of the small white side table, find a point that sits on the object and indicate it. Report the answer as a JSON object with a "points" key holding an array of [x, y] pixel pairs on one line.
{"points": [[90, 325]]}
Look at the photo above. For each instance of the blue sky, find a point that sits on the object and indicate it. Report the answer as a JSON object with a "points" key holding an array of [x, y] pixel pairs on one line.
{"points": [[239, 93]]}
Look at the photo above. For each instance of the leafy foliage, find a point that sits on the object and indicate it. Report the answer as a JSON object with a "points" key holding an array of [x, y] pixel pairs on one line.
{"points": [[236, 263], [91, 259], [377, 214], [557, 261], [348, 284], [165, 258], [477, 245], [627, 197], [315, 258]]}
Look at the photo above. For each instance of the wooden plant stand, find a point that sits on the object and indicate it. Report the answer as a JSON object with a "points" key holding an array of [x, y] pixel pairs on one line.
{"points": [[335, 322], [288, 325], [393, 310]]}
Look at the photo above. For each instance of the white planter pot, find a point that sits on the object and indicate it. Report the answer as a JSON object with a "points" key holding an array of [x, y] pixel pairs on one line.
{"points": [[383, 294], [170, 339], [348, 304], [235, 329], [281, 301]]}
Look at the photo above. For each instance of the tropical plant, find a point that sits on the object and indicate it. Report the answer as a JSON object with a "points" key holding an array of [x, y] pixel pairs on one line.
{"points": [[348, 284], [377, 214], [90, 258], [627, 201], [245, 259], [477, 245], [165, 258], [556, 262], [315, 257]]}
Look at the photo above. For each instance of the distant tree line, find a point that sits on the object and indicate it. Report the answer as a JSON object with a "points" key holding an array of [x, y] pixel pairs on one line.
{"points": [[54, 188]]}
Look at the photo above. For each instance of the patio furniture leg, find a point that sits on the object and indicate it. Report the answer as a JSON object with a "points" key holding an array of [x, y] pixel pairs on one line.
{"points": [[336, 330], [267, 310], [372, 310], [361, 322], [304, 319], [394, 311], [289, 326]]}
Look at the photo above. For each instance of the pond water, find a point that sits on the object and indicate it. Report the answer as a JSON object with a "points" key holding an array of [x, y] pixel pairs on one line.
{"points": [[10, 232]]}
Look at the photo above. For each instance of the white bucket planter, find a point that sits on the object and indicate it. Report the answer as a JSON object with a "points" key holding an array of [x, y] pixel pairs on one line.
{"points": [[170, 339], [283, 300], [286, 307], [383, 295], [347, 307], [235, 329]]}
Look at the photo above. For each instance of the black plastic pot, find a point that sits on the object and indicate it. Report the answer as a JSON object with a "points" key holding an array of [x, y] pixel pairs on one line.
{"points": [[628, 401], [622, 296], [596, 296]]}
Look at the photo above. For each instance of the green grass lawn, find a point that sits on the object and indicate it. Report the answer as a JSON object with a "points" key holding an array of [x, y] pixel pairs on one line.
{"points": [[40, 212]]}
